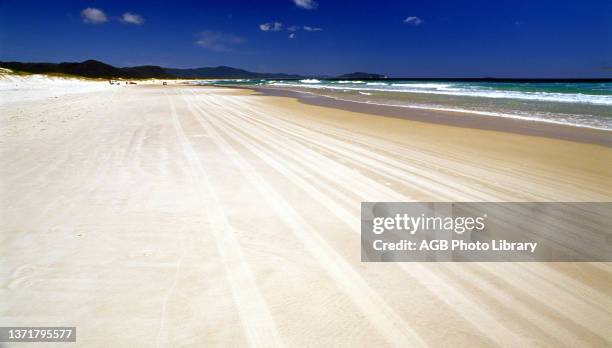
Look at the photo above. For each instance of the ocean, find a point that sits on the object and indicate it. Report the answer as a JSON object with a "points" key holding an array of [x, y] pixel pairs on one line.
{"points": [[580, 104]]}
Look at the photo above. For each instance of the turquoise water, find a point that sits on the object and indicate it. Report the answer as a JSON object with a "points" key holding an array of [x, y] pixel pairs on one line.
{"points": [[583, 104]]}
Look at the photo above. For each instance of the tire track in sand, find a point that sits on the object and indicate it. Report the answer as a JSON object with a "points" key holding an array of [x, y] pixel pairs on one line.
{"points": [[255, 316], [469, 310], [390, 325]]}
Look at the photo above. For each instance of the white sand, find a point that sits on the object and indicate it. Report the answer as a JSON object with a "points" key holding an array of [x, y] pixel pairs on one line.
{"points": [[184, 216], [35, 87]]}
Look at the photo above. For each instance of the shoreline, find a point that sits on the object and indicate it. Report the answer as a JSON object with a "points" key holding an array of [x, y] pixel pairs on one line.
{"points": [[450, 118]]}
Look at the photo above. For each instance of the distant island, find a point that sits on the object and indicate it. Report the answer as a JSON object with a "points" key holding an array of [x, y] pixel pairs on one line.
{"points": [[96, 69]]}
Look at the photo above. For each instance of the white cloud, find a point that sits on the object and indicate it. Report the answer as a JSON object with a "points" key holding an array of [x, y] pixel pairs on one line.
{"points": [[274, 26], [92, 15], [131, 18], [413, 20], [217, 41], [306, 4], [277, 26]]}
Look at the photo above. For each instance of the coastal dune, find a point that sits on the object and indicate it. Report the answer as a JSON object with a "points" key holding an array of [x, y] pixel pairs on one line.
{"points": [[176, 215]]}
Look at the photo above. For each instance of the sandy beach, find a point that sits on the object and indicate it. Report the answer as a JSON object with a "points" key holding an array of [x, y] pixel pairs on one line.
{"points": [[149, 215]]}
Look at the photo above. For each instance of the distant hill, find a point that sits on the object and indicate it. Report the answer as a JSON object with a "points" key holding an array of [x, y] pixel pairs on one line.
{"points": [[226, 72], [147, 71], [97, 69], [361, 75], [89, 68]]}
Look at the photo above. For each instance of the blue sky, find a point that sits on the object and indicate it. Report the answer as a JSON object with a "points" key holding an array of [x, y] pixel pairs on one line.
{"points": [[519, 38]]}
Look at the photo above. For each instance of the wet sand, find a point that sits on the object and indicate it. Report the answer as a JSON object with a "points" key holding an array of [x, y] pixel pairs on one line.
{"points": [[458, 119]]}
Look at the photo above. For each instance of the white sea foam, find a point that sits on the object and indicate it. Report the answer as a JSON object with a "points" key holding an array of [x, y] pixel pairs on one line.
{"points": [[448, 89], [539, 96], [585, 121], [536, 105], [423, 85], [569, 120]]}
